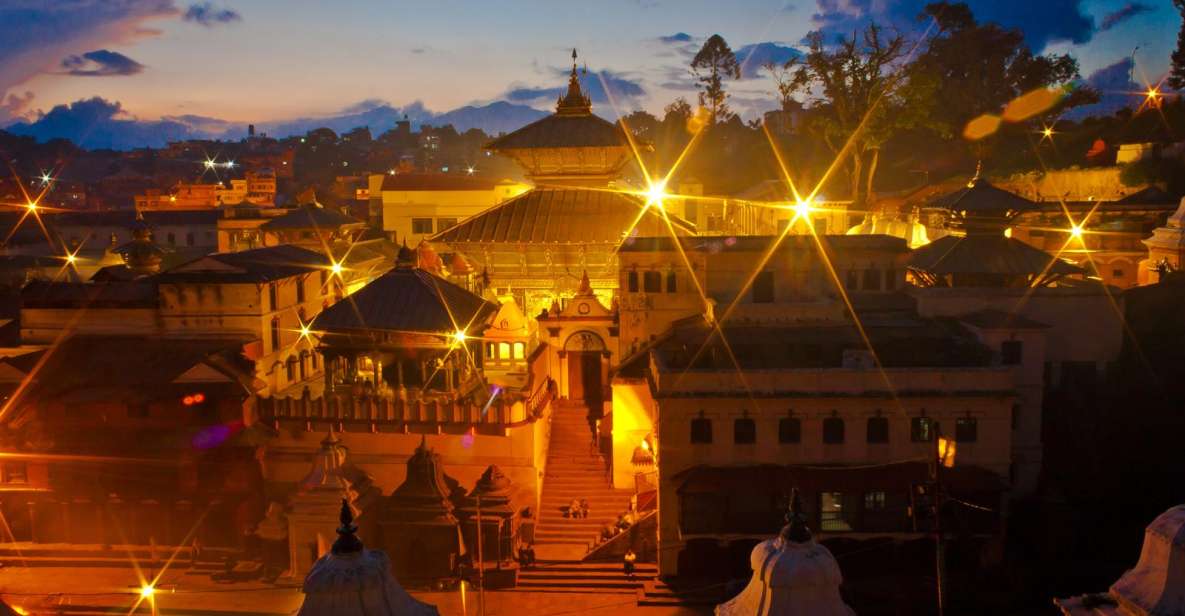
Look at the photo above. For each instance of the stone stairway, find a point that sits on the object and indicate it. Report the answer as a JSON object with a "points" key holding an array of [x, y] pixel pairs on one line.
{"points": [[600, 578], [574, 471]]}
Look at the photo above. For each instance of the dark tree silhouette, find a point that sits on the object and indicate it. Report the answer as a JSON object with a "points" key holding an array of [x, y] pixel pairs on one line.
{"points": [[715, 62]]}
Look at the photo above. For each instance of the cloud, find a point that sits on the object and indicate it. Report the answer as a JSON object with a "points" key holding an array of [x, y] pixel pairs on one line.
{"points": [[363, 106], [600, 87], [1114, 85], [1042, 21], [14, 107], [678, 37], [1126, 12], [754, 56], [206, 14], [35, 34], [97, 123], [100, 63]]}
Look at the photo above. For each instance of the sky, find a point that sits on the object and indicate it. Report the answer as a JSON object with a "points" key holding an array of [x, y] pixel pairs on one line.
{"points": [[267, 61]]}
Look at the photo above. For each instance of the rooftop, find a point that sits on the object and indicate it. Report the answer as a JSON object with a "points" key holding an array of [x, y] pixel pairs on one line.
{"points": [[986, 254], [310, 216], [406, 300], [256, 265]]}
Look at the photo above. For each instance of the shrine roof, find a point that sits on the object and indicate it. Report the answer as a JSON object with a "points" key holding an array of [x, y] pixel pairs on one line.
{"points": [[256, 265], [406, 300], [986, 254], [563, 131], [310, 216], [561, 215]]}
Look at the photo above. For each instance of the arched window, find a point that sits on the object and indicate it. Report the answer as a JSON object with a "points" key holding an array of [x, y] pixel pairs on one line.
{"points": [[833, 431], [744, 431], [789, 430], [275, 333], [672, 282], [504, 350], [701, 430], [878, 429], [520, 350], [291, 367]]}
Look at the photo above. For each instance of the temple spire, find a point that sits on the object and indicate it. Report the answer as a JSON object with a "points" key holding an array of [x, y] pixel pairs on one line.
{"points": [[574, 102], [796, 530], [347, 542]]}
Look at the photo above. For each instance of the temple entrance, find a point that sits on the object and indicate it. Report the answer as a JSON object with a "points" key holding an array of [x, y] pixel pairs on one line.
{"points": [[586, 355]]}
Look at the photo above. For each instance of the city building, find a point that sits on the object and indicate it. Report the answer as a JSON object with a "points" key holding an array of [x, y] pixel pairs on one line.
{"points": [[416, 206]]}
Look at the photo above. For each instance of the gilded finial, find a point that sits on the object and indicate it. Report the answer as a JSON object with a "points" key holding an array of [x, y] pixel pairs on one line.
{"points": [[796, 530], [347, 542]]}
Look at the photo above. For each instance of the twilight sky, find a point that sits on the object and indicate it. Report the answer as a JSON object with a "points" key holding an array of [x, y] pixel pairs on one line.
{"points": [[272, 60]]}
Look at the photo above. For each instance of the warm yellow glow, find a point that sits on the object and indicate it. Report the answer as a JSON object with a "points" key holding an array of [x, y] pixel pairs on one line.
{"points": [[803, 208], [1008, 232], [71, 259], [656, 193], [45, 178], [1047, 132], [645, 445], [460, 336], [946, 452], [470, 170], [305, 331], [209, 164], [336, 268], [32, 207], [1076, 231], [146, 591], [1152, 93]]}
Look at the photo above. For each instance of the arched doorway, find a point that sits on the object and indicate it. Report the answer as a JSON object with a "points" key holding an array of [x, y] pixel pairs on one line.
{"points": [[586, 352]]}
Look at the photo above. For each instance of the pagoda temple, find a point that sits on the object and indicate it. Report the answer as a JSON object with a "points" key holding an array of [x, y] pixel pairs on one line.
{"points": [[419, 524], [535, 246]]}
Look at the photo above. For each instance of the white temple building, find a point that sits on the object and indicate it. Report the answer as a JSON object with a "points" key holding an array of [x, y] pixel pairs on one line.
{"points": [[353, 581], [792, 575], [1155, 587]]}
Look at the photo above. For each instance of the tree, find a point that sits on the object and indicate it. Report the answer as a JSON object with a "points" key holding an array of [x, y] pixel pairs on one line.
{"points": [[860, 100], [1177, 73], [714, 62], [642, 124], [984, 66]]}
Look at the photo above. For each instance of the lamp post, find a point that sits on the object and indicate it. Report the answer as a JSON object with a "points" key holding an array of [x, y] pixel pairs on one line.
{"points": [[944, 456]]}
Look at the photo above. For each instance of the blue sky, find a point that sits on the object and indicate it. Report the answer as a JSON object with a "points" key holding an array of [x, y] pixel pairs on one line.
{"points": [[269, 60]]}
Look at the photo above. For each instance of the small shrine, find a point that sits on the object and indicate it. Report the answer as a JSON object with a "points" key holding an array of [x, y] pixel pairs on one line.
{"points": [[142, 256], [419, 523], [1166, 248], [314, 507], [792, 574], [353, 581], [581, 335], [492, 497], [1154, 587]]}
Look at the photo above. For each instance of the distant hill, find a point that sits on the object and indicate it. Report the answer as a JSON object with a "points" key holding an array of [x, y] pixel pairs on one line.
{"points": [[100, 124]]}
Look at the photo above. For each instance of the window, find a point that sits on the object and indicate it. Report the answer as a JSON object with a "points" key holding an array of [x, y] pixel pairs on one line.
{"points": [[890, 279], [520, 350], [491, 351], [878, 429], [789, 430], [291, 368], [672, 283], [172, 238], [701, 430], [445, 223], [852, 280], [189, 239], [632, 282], [1011, 352], [1118, 273], [691, 211], [831, 512], [921, 429], [874, 501], [504, 350], [324, 281], [16, 472], [275, 333], [300, 292], [966, 430], [872, 280], [763, 287], [421, 226], [316, 361], [273, 300], [652, 282], [744, 431], [833, 431]]}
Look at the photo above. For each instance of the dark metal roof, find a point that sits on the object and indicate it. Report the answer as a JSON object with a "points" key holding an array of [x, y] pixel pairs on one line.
{"points": [[310, 216], [560, 216], [257, 265], [986, 254], [406, 300], [140, 293], [108, 367], [563, 131], [979, 196], [437, 181], [990, 318]]}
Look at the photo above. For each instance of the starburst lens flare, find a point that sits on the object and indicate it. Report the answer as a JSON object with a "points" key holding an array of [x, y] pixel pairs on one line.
{"points": [[1076, 231], [460, 337], [147, 591], [656, 193]]}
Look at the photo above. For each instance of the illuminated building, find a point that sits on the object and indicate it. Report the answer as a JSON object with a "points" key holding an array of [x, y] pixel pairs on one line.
{"points": [[1028, 305], [740, 216], [418, 206], [536, 246], [581, 342], [128, 438]]}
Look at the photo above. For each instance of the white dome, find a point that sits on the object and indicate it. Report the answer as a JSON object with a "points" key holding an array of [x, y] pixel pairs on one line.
{"points": [[357, 584], [1156, 586], [790, 578]]}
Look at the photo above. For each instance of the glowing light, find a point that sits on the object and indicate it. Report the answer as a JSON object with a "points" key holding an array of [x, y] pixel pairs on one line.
{"points": [[230, 164], [147, 591], [46, 178], [32, 207], [305, 332], [71, 259], [336, 268], [1076, 231], [645, 445], [470, 170], [460, 336], [1047, 133], [656, 193], [1152, 93], [946, 451], [209, 164], [803, 208]]}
